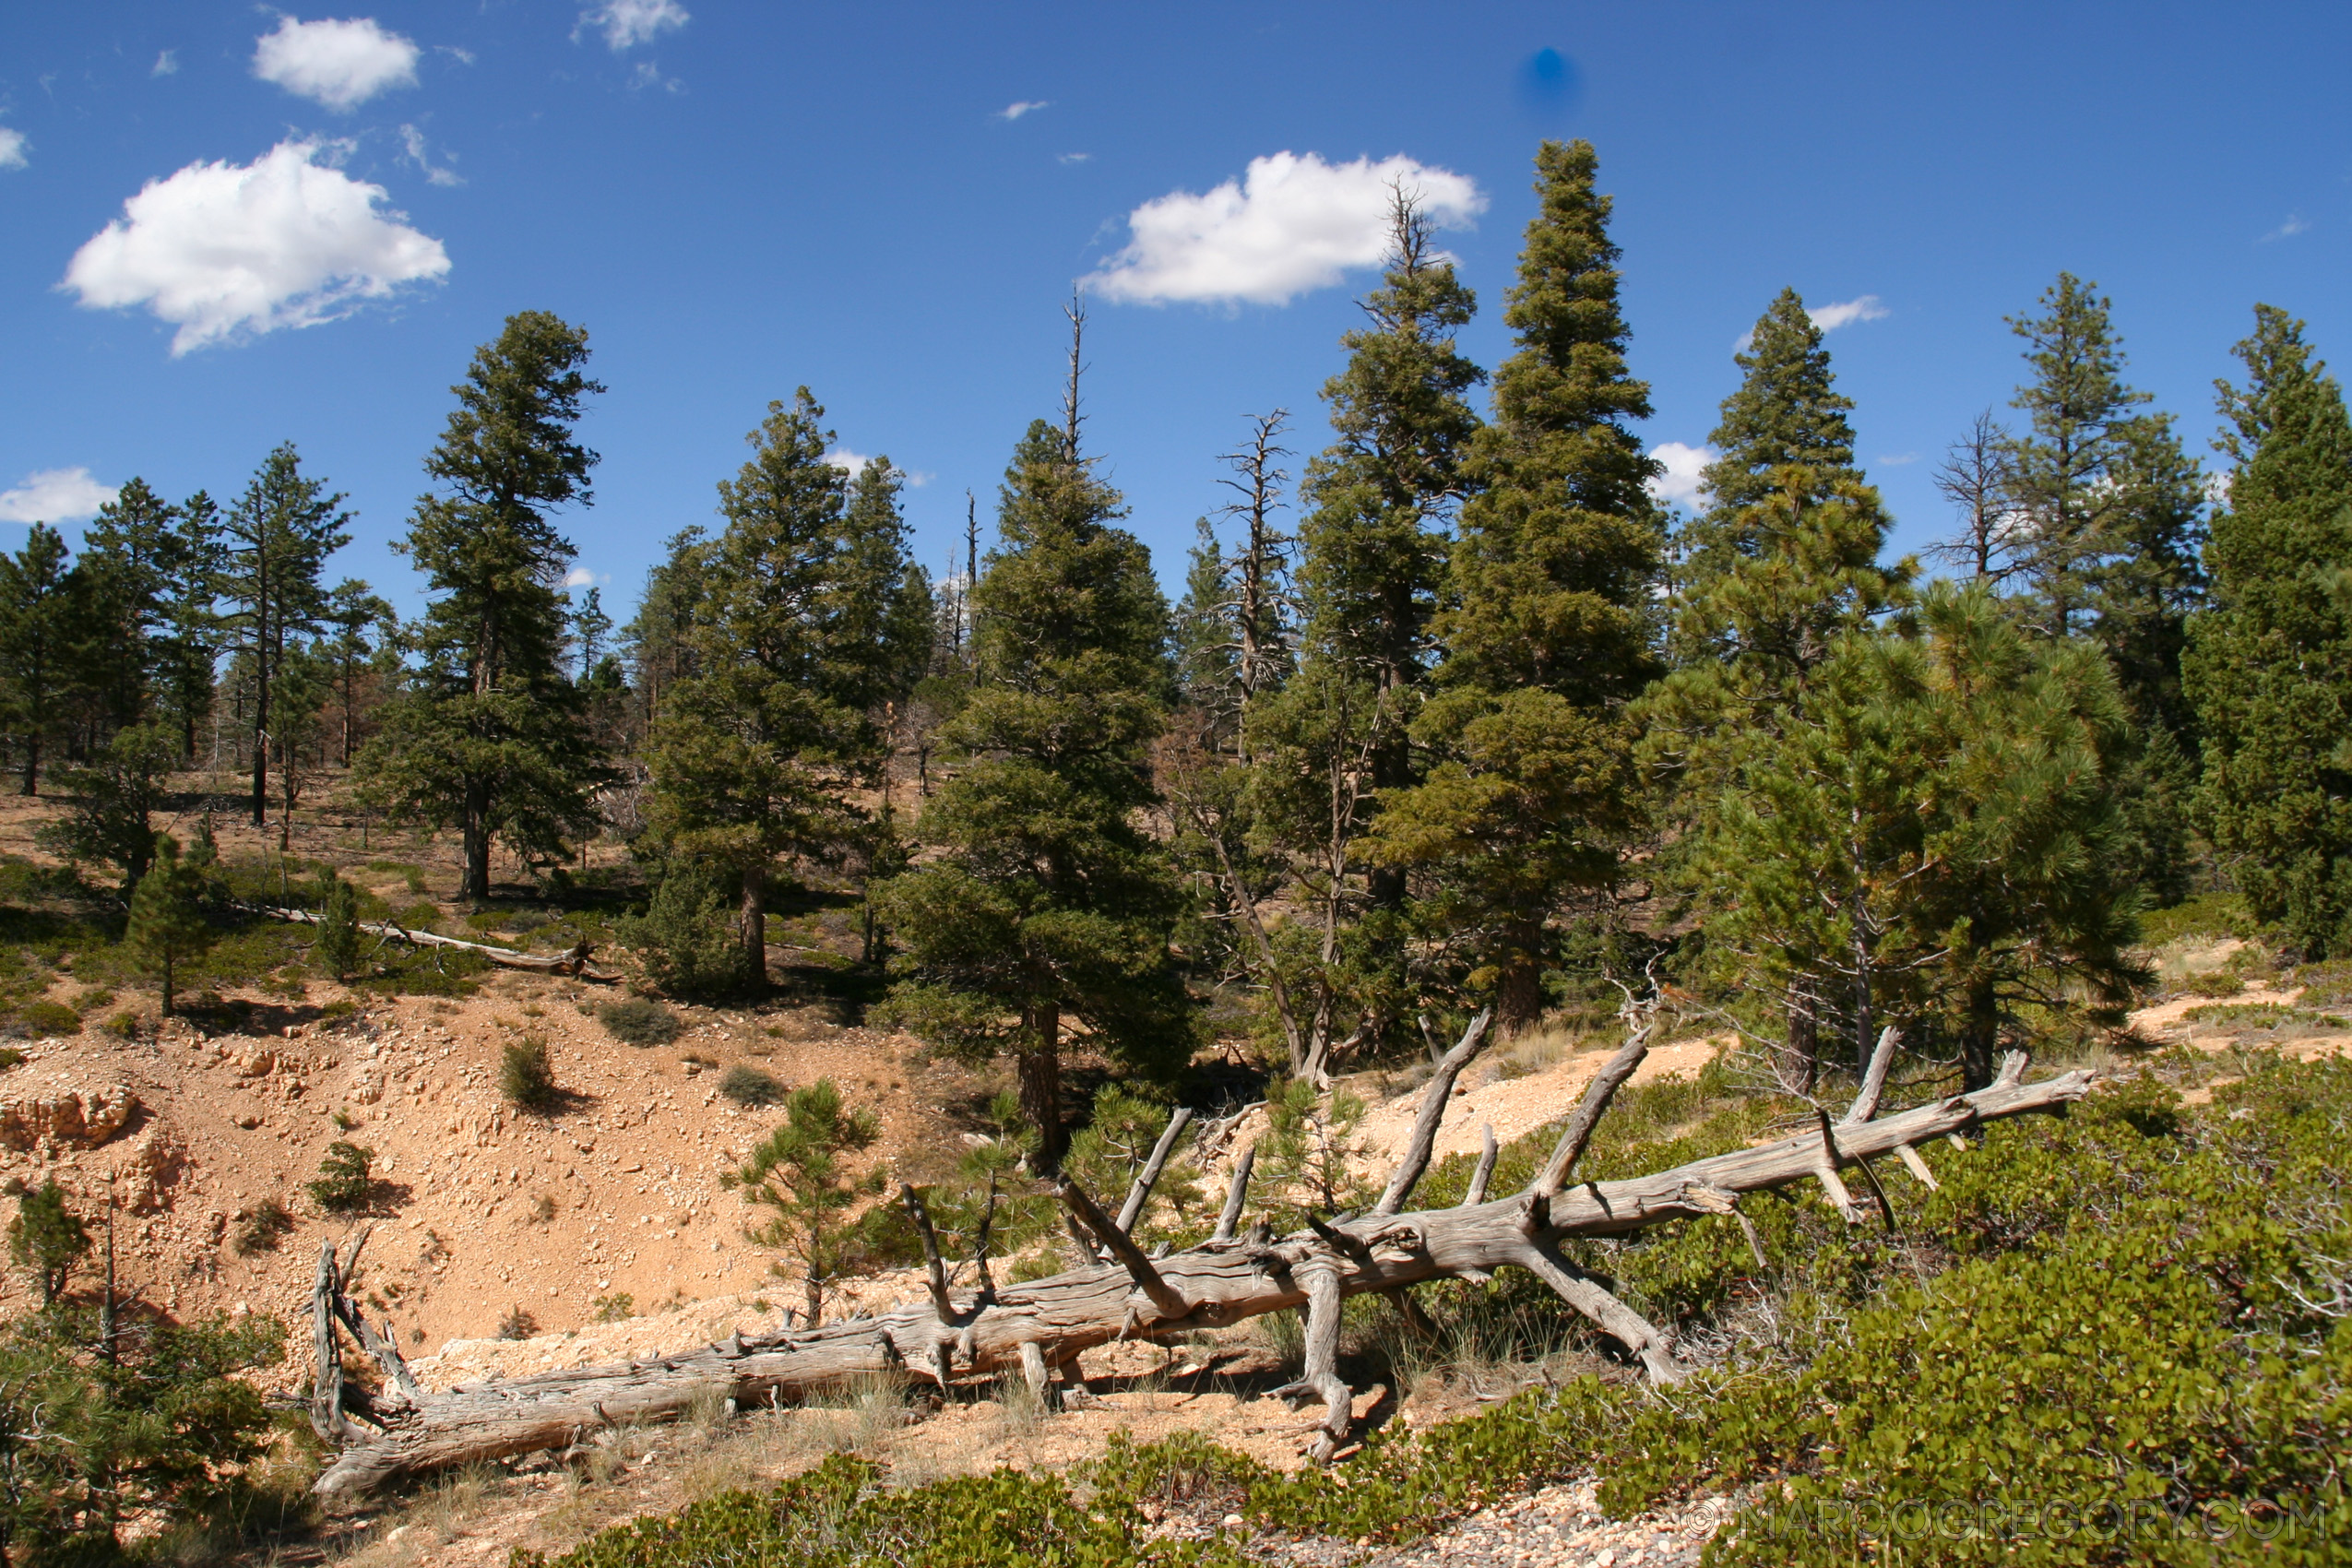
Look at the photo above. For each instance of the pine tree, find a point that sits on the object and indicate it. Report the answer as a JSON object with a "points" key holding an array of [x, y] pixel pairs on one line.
{"points": [[338, 949], [35, 646], [116, 796], [190, 638], [490, 734], [1547, 627], [754, 753], [365, 640], [2116, 515], [276, 543], [168, 927], [800, 1172], [48, 1240], [1781, 567], [1045, 903], [586, 626], [2269, 667], [132, 552]]}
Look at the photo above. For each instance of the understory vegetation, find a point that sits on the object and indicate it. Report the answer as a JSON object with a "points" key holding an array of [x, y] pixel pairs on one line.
{"points": [[2118, 1338]]}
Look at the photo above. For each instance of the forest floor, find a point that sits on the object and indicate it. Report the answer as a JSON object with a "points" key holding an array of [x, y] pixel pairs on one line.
{"points": [[536, 1228]]}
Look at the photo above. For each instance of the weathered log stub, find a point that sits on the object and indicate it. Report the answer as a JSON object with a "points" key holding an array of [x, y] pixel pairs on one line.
{"points": [[1041, 1326], [572, 961]]}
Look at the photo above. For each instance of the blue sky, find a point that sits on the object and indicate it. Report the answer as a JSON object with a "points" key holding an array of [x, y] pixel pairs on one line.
{"points": [[737, 199]]}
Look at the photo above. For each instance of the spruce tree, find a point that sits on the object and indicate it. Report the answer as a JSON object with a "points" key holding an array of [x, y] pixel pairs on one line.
{"points": [[275, 545], [755, 754], [490, 735], [1547, 629], [1044, 903], [2269, 667]]}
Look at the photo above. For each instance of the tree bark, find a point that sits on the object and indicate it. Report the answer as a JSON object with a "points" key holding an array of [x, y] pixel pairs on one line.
{"points": [[1040, 1072], [754, 927], [1047, 1322]]}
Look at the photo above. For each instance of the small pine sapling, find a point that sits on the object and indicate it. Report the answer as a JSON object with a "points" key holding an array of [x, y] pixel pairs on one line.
{"points": [[167, 927], [47, 1240], [526, 1076], [800, 1173], [1111, 1150], [1311, 1151], [346, 1178], [338, 950]]}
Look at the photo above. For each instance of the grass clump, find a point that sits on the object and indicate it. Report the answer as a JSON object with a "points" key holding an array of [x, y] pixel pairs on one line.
{"points": [[517, 1324], [749, 1086], [527, 1075], [619, 1307], [639, 1021], [264, 1229]]}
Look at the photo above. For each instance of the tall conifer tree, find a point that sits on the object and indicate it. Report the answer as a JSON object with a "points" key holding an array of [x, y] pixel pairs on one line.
{"points": [[1045, 904], [35, 647], [1547, 629], [275, 546], [490, 735], [1782, 565], [755, 754], [2270, 666]]}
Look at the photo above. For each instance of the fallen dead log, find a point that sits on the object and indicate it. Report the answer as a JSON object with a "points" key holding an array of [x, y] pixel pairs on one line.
{"points": [[573, 960], [1041, 1326]]}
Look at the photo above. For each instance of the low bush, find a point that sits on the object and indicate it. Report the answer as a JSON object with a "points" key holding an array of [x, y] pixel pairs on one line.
{"points": [[10, 1057], [46, 1017], [749, 1086], [526, 1076], [517, 1324], [639, 1021], [619, 1307], [2217, 983]]}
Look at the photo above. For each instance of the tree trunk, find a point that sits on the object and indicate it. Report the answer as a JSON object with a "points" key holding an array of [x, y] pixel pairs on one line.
{"points": [[33, 766], [475, 883], [754, 927], [1982, 1033], [1040, 1070], [1047, 1322], [1518, 993], [260, 745]]}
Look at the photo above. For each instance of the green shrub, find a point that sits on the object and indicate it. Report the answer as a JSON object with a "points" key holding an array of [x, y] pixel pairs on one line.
{"points": [[45, 1018], [10, 1057], [337, 951], [526, 1076], [123, 1025], [619, 1307], [2217, 982], [685, 942], [517, 1324], [748, 1086], [346, 1182], [639, 1021]]}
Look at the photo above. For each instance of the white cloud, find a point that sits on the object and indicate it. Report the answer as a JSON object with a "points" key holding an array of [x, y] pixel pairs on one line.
{"points": [[627, 23], [12, 148], [341, 64], [1829, 319], [1014, 111], [1684, 480], [412, 141], [166, 64], [647, 75], [55, 495], [579, 576], [224, 249], [1072, 157], [1898, 460], [1289, 225], [2296, 225], [846, 460]]}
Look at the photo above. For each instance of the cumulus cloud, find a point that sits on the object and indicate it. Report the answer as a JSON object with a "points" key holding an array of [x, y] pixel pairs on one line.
{"points": [[578, 577], [1014, 111], [1829, 319], [846, 460], [223, 250], [1684, 480], [55, 495], [12, 148], [341, 64], [627, 23], [1289, 225]]}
